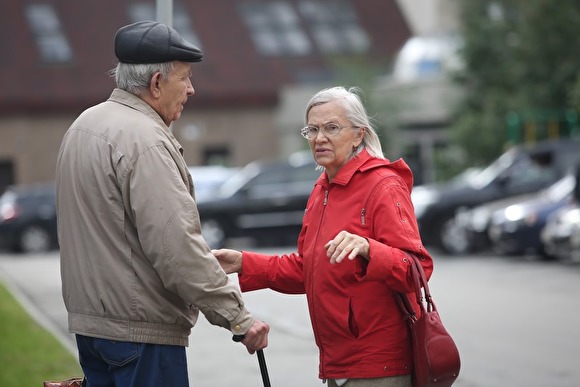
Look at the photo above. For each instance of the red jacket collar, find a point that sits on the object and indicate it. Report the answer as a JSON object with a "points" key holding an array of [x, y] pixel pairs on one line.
{"points": [[364, 162]]}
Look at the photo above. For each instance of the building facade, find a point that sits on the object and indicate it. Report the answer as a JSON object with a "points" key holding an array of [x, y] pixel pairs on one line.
{"points": [[259, 56]]}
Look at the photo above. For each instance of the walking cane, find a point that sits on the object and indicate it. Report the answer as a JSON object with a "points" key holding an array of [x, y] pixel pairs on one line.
{"points": [[261, 362]]}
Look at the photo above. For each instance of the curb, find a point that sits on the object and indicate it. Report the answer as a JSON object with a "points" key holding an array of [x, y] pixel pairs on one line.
{"points": [[36, 313]]}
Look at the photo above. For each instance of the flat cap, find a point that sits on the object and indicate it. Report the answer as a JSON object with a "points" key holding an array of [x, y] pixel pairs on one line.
{"points": [[153, 42]]}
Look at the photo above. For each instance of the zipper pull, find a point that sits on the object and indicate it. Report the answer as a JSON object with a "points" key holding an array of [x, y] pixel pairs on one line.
{"points": [[325, 197], [362, 216]]}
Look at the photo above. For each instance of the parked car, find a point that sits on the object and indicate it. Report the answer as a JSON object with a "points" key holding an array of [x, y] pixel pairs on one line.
{"points": [[515, 229], [263, 201], [561, 234], [472, 225], [28, 218], [520, 170], [208, 179]]}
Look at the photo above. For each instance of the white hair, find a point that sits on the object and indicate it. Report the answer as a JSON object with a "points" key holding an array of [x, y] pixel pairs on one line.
{"points": [[355, 112], [135, 78]]}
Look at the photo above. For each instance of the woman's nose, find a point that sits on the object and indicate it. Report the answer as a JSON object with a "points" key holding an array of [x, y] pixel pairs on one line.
{"points": [[318, 135]]}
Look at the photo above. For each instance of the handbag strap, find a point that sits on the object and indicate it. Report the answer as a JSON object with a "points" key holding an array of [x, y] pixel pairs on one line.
{"points": [[423, 296], [403, 300], [405, 305], [426, 294]]}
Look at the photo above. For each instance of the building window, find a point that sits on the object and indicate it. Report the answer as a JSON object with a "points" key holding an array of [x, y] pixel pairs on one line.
{"points": [[275, 29], [52, 43], [334, 26], [181, 20]]}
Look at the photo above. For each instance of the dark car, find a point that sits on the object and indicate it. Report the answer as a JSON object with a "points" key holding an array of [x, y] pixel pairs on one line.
{"points": [[263, 201], [515, 229], [472, 225], [28, 218], [520, 170]]}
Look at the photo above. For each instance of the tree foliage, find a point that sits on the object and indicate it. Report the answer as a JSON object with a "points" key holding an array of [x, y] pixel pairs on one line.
{"points": [[520, 56]]}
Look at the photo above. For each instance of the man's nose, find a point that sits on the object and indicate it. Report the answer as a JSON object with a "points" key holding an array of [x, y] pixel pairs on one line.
{"points": [[190, 89]]}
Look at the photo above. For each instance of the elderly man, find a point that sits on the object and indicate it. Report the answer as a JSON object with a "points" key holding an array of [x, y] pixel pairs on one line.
{"points": [[135, 268]]}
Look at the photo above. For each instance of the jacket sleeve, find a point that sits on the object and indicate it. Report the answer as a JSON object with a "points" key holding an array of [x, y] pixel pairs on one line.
{"points": [[394, 232], [165, 215], [282, 273]]}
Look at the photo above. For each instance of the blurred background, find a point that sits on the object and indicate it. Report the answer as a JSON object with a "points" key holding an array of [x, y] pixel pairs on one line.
{"points": [[450, 83], [468, 93], [480, 98]]}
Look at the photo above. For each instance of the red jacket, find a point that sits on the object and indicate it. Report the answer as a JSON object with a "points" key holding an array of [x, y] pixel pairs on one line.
{"points": [[357, 324]]}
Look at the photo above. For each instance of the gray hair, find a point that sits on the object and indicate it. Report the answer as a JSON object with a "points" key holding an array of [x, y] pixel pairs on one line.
{"points": [[135, 78], [356, 113]]}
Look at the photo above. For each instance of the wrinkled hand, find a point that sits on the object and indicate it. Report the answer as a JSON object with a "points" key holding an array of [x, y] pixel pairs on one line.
{"points": [[230, 260], [256, 337], [348, 245]]}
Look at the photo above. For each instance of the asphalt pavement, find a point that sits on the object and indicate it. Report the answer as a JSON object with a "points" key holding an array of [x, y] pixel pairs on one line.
{"points": [[213, 358], [516, 324]]}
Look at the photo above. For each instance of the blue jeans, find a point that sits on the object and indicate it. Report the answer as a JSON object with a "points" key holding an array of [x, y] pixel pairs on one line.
{"points": [[108, 363]]}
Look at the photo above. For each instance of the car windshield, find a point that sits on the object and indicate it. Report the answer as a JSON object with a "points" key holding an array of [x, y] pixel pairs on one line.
{"points": [[519, 168], [239, 179], [208, 179], [495, 169], [561, 189]]}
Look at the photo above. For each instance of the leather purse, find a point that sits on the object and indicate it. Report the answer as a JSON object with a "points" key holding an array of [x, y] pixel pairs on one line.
{"points": [[74, 382], [436, 360]]}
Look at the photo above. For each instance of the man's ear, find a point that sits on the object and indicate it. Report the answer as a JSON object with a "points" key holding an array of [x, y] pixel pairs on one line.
{"points": [[154, 84]]}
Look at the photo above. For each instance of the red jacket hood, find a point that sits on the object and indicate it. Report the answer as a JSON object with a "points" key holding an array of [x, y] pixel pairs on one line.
{"points": [[364, 162]]}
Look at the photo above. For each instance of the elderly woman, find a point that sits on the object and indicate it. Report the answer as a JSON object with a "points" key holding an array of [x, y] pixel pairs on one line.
{"points": [[360, 209]]}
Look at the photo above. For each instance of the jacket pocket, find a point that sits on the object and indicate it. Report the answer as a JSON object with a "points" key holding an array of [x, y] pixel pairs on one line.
{"points": [[352, 324]]}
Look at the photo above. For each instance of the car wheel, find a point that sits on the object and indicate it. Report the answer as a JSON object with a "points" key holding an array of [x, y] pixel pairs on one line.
{"points": [[34, 239], [546, 256], [454, 239], [214, 233]]}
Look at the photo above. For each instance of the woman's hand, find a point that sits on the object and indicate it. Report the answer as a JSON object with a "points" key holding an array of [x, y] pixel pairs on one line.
{"points": [[348, 245], [230, 260]]}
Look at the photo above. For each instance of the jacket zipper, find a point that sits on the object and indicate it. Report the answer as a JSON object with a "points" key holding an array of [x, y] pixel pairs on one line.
{"points": [[314, 314], [362, 216]]}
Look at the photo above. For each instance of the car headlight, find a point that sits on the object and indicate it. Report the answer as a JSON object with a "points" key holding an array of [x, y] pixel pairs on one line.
{"points": [[572, 217], [514, 213], [516, 217]]}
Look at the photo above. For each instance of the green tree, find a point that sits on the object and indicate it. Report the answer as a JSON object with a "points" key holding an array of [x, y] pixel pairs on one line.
{"points": [[575, 94], [520, 56]]}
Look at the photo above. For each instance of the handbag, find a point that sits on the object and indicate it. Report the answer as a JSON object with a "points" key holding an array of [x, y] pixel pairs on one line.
{"points": [[74, 382], [436, 360]]}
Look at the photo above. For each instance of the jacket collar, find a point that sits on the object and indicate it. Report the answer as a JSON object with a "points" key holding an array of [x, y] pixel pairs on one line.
{"points": [[349, 169], [134, 102], [364, 162]]}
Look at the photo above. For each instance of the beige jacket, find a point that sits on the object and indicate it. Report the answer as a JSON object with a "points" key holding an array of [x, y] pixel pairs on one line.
{"points": [[133, 262]]}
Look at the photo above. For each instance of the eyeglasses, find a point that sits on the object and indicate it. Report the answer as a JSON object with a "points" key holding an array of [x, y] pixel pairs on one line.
{"points": [[310, 132]]}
